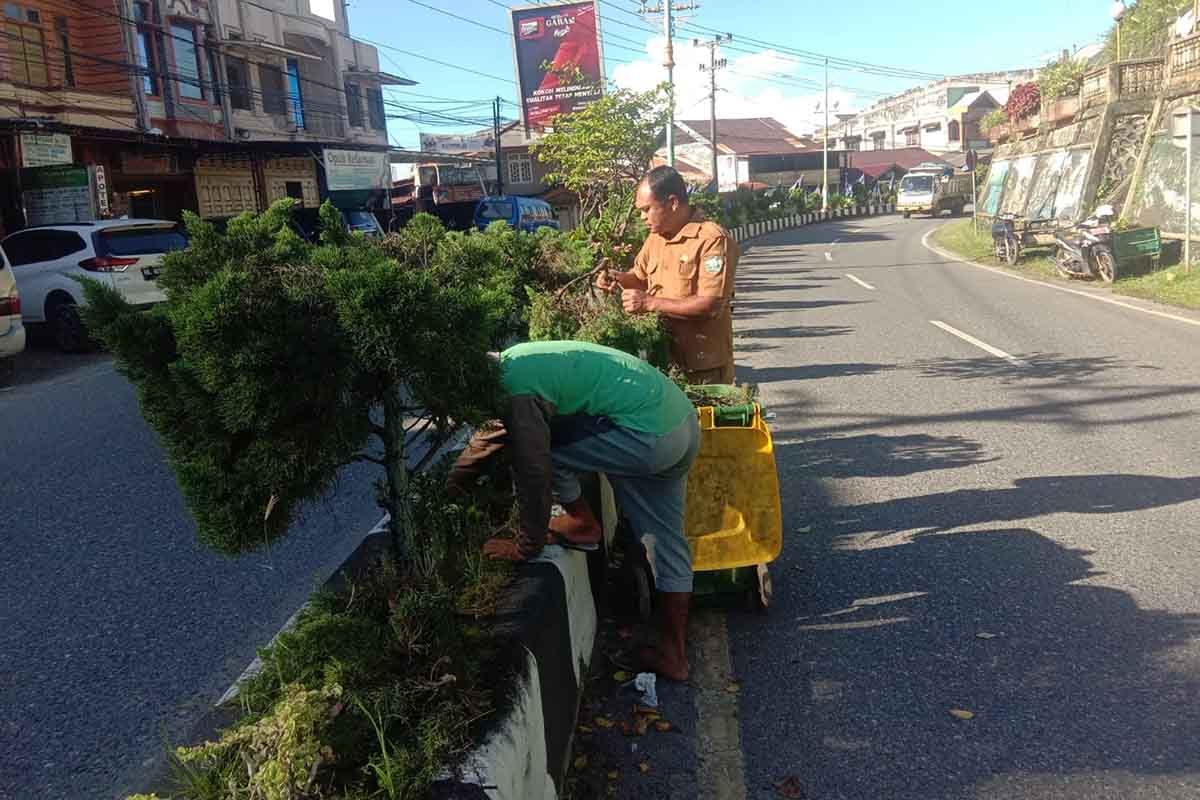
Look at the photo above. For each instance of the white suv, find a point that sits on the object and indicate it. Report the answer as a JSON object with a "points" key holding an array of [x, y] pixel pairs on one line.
{"points": [[126, 253], [12, 332]]}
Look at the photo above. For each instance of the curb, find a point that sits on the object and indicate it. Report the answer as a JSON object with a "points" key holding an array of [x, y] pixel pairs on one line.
{"points": [[753, 230]]}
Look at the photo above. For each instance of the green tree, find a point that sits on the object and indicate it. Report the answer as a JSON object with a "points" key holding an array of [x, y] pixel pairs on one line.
{"points": [[1146, 29], [600, 154], [274, 363]]}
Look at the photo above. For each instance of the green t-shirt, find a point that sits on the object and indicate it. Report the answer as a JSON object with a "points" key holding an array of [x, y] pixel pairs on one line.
{"points": [[582, 378]]}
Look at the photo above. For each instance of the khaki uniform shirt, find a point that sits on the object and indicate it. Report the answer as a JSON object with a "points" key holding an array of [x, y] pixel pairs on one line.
{"points": [[699, 261]]}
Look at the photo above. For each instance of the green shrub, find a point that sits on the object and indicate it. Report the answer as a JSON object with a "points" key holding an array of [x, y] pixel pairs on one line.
{"points": [[1061, 79]]}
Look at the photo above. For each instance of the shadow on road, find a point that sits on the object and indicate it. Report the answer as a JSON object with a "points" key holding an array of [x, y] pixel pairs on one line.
{"points": [[42, 361], [1027, 498], [790, 332], [764, 375], [1072, 686], [1035, 367], [874, 456]]}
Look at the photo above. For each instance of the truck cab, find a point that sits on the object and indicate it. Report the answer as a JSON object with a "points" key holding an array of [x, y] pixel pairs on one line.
{"points": [[932, 189]]}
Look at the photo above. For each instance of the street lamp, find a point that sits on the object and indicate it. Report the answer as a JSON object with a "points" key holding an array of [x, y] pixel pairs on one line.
{"points": [[1117, 12]]}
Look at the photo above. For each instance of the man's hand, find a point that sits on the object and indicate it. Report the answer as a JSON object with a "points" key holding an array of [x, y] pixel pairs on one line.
{"points": [[605, 282], [502, 550], [636, 301]]}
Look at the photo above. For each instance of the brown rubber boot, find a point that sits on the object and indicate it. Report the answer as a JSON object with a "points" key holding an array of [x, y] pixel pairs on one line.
{"points": [[579, 525], [669, 659]]}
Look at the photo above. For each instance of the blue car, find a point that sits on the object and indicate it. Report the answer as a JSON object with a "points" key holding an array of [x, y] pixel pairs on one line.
{"points": [[523, 213]]}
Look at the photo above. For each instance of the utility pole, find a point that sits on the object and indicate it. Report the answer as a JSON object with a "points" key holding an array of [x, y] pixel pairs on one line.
{"points": [[825, 148], [496, 144], [666, 7], [714, 64]]}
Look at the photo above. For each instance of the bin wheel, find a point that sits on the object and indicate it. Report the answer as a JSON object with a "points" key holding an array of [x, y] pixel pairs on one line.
{"points": [[763, 590]]}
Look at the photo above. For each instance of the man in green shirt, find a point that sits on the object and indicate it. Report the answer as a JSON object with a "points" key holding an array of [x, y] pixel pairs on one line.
{"points": [[573, 407]]}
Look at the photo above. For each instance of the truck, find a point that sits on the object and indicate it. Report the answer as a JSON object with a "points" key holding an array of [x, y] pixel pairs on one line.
{"points": [[931, 188]]}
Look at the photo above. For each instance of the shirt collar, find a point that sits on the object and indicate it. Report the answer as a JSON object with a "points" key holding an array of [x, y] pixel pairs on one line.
{"points": [[690, 230]]}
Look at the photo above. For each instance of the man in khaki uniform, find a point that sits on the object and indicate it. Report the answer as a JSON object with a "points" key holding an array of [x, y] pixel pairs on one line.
{"points": [[685, 271]]}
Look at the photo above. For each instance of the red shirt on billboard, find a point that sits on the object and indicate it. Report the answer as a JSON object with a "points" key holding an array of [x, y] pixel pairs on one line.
{"points": [[552, 43]]}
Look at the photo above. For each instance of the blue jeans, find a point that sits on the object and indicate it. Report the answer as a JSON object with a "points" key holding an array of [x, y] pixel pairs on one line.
{"points": [[648, 473]]}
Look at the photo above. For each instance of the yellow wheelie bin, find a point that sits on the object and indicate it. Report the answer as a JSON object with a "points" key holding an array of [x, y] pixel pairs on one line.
{"points": [[733, 519]]}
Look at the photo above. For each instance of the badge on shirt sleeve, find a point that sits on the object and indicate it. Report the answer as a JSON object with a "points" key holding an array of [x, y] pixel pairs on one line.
{"points": [[714, 264]]}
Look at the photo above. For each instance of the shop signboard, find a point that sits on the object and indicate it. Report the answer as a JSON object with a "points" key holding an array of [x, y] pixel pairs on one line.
{"points": [[560, 68], [356, 170], [45, 149], [457, 144], [57, 194]]}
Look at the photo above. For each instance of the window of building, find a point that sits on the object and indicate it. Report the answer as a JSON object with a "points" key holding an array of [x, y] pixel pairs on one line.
{"points": [[879, 141], [294, 190], [274, 93], [26, 47], [294, 92], [64, 45], [375, 109], [238, 77], [354, 104], [853, 143], [322, 8], [520, 168], [912, 138], [187, 60], [952, 131], [147, 54]]}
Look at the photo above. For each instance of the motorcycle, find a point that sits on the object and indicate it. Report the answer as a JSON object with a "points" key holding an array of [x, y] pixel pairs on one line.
{"points": [[1006, 244], [1085, 250]]}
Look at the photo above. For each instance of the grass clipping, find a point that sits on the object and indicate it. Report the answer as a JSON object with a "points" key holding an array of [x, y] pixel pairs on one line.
{"points": [[376, 691]]}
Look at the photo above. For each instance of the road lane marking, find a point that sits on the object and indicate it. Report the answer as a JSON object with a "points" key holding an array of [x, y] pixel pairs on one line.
{"points": [[828, 256], [1090, 296], [984, 346], [860, 282]]}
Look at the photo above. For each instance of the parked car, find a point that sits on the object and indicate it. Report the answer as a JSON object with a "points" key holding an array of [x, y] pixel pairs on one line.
{"points": [[12, 331], [523, 213], [125, 253], [359, 219]]}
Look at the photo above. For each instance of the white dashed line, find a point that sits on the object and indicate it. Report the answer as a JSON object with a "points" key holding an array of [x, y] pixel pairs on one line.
{"points": [[860, 282], [828, 256], [984, 346]]}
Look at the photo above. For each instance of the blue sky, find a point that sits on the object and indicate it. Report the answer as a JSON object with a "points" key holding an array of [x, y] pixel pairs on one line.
{"points": [[919, 36]]}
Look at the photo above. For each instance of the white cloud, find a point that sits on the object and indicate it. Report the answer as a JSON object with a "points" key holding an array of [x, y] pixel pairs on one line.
{"points": [[749, 87]]}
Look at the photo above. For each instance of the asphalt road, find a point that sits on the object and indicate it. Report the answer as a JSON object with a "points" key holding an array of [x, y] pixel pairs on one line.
{"points": [[1004, 526], [117, 628]]}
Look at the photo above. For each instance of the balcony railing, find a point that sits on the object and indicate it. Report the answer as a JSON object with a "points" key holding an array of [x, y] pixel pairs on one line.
{"points": [[1094, 89], [1185, 58], [1140, 78]]}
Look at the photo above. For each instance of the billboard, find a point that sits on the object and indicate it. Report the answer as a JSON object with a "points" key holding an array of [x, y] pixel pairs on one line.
{"points": [[559, 64], [457, 144]]}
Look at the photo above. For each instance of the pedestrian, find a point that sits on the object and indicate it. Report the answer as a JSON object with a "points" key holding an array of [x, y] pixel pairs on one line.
{"points": [[573, 407], [685, 272]]}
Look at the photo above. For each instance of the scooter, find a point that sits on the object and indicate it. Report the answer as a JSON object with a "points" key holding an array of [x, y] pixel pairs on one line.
{"points": [[1085, 250], [1006, 244]]}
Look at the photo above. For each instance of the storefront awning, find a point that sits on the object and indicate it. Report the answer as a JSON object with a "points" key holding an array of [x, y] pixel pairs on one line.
{"points": [[258, 46], [910, 129], [384, 78]]}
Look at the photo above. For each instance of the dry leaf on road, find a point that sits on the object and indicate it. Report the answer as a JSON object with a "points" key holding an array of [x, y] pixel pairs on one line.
{"points": [[603, 722], [790, 787], [581, 762], [962, 713], [622, 677], [984, 635], [662, 725], [643, 767]]}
